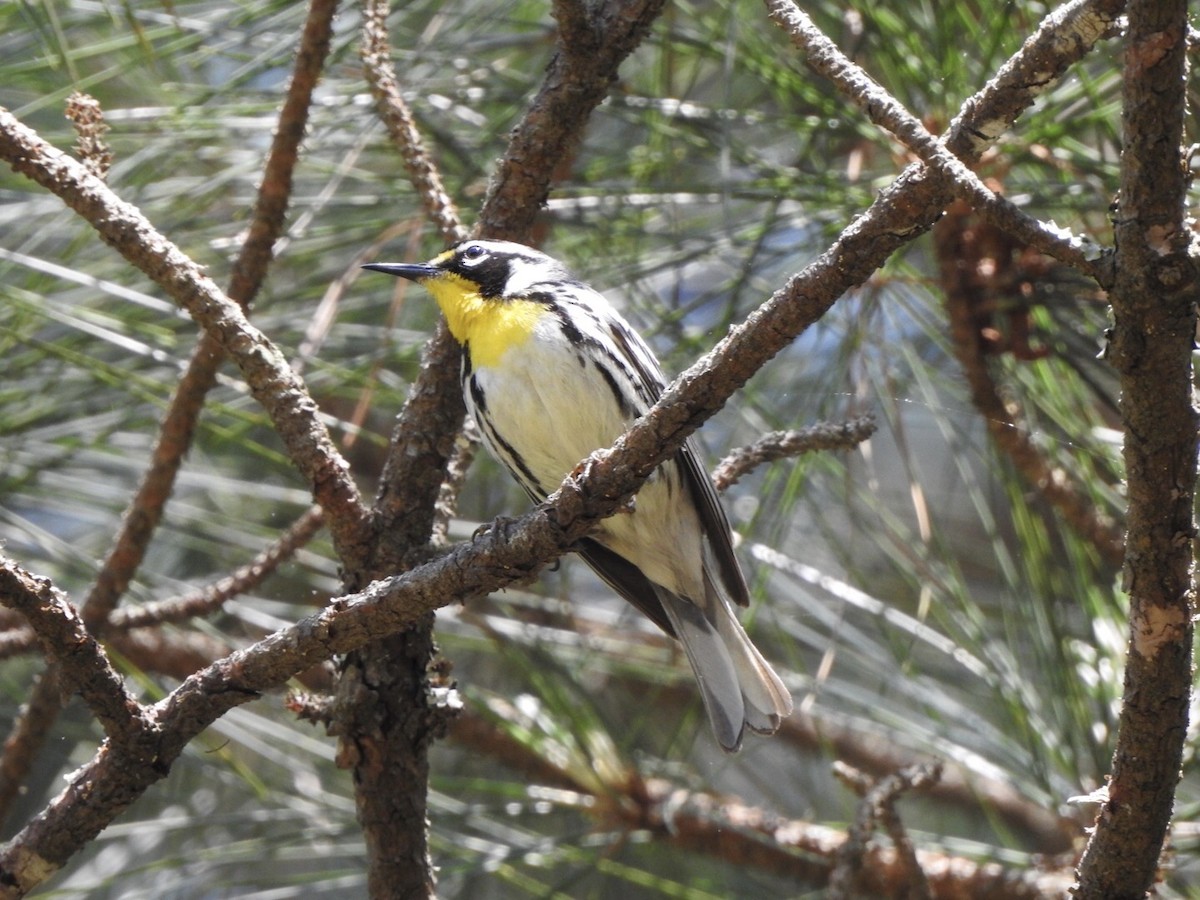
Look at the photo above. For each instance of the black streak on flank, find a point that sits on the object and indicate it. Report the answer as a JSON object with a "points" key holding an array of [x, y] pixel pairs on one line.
{"points": [[627, 410], [477, 395], [569, 329], [513, 460]]}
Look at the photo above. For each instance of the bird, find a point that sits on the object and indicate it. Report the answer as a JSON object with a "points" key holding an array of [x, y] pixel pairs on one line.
{"points": [[552, 372]]}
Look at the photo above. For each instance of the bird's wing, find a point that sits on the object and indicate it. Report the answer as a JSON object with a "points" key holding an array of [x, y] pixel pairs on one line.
{"points": [[713, 521], [627, 580]]}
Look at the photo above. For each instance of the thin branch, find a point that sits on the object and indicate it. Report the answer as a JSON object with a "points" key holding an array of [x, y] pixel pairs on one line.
{"points": [[723, 827], [27, 737], [885, 111], [200, 602], [456, 475], [1055, 484], [207, 600], [878, 754], [878, 806], [786, 444], [396, 116], [268, 376], [426, 431], [577, 80]]}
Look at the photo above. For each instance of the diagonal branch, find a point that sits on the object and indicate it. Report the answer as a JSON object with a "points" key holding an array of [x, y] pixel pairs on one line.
{"points": [[80, 660], [268, 376], [577, 79], [887, 112], [401, 127], [249, 269], [1055, 484]]}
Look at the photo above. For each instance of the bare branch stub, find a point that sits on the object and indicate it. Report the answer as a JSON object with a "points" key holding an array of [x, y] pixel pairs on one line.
{"points": [[787, 444], [87, 116]]}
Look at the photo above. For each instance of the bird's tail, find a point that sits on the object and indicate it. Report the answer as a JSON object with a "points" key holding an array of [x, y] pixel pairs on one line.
{"points": [[739, 687]]}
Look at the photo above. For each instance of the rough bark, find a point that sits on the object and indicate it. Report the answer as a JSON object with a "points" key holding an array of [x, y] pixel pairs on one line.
{"points": [[1154, 298]]}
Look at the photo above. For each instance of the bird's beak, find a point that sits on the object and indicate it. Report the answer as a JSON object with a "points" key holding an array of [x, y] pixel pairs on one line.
{"points": [[411, 271]]}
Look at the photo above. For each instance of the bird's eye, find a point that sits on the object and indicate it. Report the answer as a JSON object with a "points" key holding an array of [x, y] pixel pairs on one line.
{"points": [[474, 252]]}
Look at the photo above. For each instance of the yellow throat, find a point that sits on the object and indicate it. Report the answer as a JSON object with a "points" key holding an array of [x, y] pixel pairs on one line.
{"points": [[488, 328]]}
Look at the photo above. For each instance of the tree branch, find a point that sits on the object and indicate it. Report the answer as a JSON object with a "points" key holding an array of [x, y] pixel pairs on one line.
{"points": [[268, 376], [145, 509], [577, 79], [82, 663], [401, 127], [786, 444], [249, 269], [885, 111], [1154, 297]]}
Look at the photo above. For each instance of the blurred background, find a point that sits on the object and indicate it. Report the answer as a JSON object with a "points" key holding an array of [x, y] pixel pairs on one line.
{"points": [[921, 595]]}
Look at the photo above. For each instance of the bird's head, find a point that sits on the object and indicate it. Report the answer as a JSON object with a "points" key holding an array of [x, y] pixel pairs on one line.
{"points": [[491, 292]]}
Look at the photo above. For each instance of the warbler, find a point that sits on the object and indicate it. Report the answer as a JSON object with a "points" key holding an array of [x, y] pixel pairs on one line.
{"points": [[552, 372]]}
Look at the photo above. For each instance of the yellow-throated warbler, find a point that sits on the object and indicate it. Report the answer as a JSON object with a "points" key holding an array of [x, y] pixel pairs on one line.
{"points": [[551, 372]]}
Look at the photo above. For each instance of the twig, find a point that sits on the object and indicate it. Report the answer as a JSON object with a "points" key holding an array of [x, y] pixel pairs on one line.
{"points": [[887, 112], [201, 602], [398, 118], [877, 754], [87, 116], [879, 806], [267, 374], [577, 80], [456, 475], [786, 444], [723, 827], [207, 600]]}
